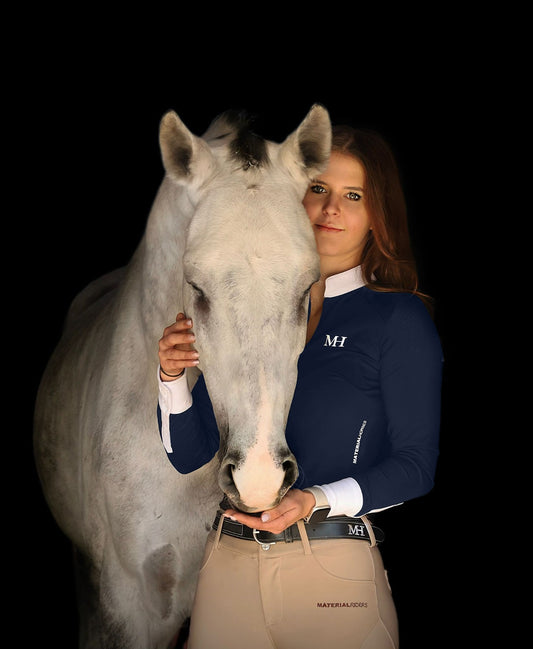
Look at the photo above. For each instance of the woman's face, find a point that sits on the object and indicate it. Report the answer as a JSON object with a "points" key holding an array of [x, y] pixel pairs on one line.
{"points": [[335, 204]]}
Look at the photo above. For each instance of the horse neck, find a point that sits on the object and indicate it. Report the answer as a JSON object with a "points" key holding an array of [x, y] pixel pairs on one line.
{"points": [[156, 268]]}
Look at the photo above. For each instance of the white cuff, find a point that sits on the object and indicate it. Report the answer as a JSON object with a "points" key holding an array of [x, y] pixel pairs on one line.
{"points": [[344, 496], [174, 397]]}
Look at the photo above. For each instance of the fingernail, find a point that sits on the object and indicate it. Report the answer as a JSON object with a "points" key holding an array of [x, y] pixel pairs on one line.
{"points": [[265, 517]]}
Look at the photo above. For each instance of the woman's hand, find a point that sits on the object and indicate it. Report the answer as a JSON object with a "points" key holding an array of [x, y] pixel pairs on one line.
{"points": [[294, 505], [175, 348]]}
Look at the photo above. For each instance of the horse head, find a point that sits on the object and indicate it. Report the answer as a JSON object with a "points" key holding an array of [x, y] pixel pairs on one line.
{"points": [[250, 259]]}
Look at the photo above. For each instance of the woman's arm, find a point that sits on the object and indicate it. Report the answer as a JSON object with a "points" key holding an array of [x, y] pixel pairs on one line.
{"points": [[410, 376], [187, 425]]}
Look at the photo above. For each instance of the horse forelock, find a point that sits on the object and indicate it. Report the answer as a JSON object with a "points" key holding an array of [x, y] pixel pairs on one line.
{"points": [[233, 128]]}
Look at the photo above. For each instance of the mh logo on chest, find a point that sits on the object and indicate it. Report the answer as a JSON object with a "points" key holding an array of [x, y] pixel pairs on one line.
{"points": [[335, 341]]}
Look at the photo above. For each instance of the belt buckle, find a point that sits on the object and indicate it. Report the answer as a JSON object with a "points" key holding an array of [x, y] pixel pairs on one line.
{"points": [[264, 546]]}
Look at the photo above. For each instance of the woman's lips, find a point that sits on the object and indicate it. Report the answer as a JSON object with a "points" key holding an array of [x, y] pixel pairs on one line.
{"points": [[328, 228]]}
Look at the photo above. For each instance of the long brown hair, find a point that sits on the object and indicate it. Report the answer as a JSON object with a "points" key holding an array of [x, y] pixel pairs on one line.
{"points": [[387, 262]]}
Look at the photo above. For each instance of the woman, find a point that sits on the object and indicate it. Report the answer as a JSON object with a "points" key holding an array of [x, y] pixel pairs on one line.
{"points": [[363, 426]]}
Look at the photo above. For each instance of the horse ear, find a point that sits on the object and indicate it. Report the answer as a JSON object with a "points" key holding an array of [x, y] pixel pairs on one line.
{"points": [[187, 158], [306, 151]]}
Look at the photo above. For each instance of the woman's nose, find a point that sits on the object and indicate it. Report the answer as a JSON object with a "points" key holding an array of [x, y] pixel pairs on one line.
{"points": [[331, 206]]}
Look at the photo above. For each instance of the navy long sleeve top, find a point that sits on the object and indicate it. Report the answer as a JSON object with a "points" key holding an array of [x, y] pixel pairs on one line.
{"points": [[366, 404]]}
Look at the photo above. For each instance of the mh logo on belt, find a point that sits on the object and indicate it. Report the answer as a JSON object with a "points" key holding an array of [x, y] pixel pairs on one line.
{"points": [[336, 341], [356, 530]]}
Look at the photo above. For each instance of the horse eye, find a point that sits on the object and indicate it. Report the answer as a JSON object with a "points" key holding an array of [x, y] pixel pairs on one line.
{"points": [[197, 289], [201, 301]]}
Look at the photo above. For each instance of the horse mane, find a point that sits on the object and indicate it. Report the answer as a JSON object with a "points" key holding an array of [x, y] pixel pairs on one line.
{"points": [[245, 147]]}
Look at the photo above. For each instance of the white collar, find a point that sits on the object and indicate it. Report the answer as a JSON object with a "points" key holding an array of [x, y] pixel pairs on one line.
{"points": [[344, 282]]}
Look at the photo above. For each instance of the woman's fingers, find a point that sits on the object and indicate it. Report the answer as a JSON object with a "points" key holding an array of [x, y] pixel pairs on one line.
{"points": [[176, 350]]}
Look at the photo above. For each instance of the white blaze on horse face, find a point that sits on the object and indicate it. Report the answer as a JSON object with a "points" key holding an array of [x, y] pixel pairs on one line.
{"points": [[261, 475]]}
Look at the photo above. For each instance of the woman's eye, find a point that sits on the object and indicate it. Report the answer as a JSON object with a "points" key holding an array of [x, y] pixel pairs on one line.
{"points": [[354, 196], [317, 189]]}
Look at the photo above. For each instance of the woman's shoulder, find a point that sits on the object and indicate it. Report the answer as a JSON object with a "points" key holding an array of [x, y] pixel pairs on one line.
{"points": [[389, 302], [399, 309]]}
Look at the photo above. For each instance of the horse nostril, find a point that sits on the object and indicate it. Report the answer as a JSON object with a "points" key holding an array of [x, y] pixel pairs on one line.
{"points": [[225, 476], [226, 480], [290, 468]]}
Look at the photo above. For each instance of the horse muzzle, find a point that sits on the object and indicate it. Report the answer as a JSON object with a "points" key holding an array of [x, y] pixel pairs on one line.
{"points": [[259, 480]]}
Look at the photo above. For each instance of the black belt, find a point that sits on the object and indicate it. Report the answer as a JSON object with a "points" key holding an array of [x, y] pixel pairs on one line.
{"points": [[335, 527]]}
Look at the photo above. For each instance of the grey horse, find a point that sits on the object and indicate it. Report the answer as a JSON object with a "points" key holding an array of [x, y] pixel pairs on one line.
{"points": [[229, 243]]}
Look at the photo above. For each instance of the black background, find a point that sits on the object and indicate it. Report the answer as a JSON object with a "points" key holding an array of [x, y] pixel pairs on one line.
{"points": [[86, 109]]}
